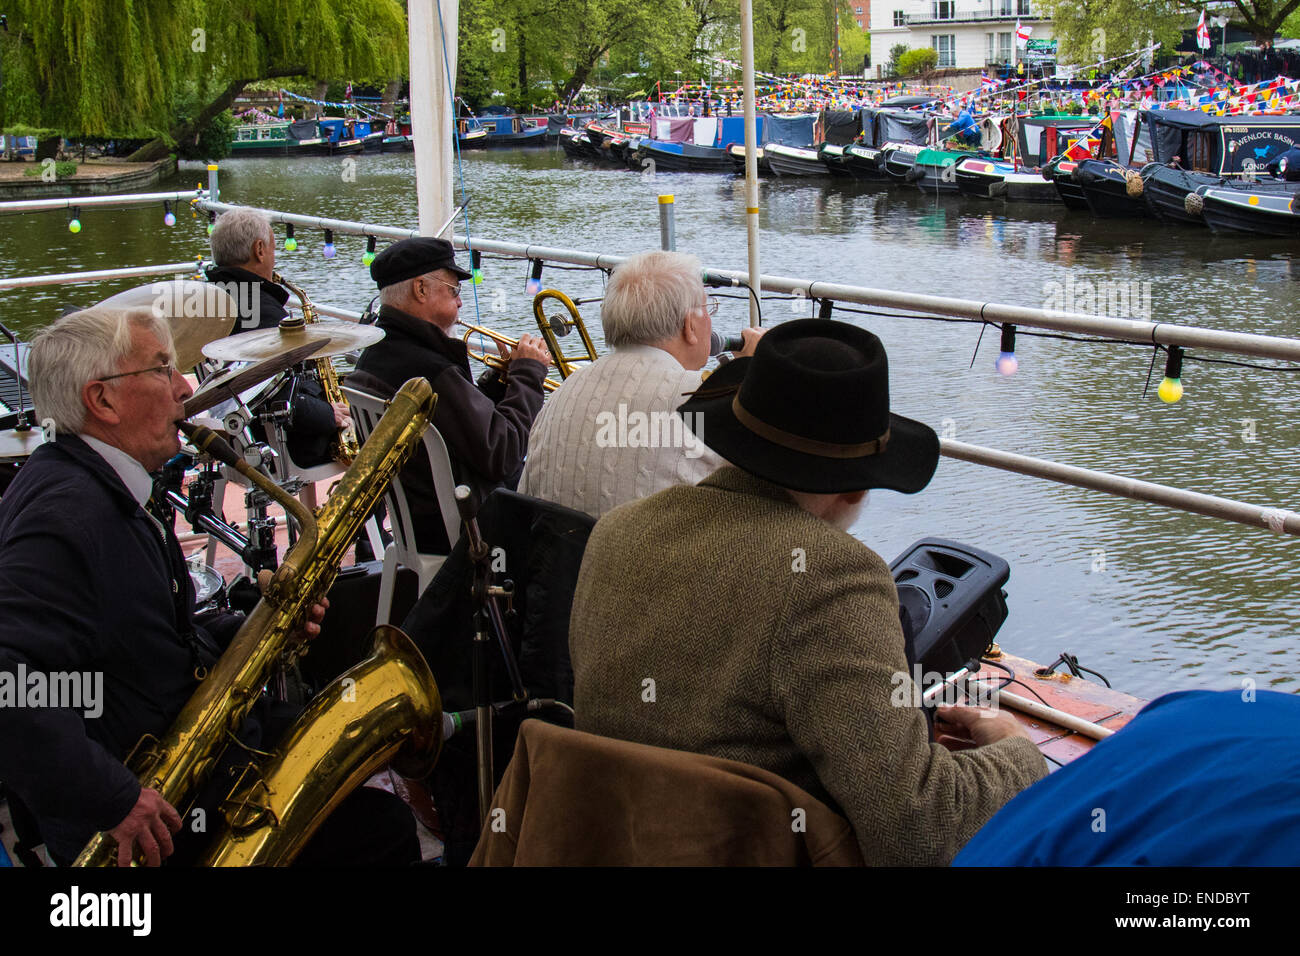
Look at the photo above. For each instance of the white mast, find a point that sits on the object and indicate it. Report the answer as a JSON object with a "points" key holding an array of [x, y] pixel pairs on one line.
{"points": [[751, 152], [432, 118]]}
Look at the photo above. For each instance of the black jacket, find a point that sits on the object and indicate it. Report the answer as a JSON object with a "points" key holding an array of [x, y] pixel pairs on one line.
{"points": [[86, 586], [485, 427], [261, 303], [311, 428]]}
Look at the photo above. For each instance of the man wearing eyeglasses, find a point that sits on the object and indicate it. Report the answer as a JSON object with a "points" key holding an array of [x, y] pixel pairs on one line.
{"points": [[95, 594], [485, 425], [610, 434]]}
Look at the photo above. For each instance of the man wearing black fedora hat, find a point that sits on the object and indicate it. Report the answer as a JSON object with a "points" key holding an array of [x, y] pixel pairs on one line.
{"points": [[738, 618], [486, 425]]}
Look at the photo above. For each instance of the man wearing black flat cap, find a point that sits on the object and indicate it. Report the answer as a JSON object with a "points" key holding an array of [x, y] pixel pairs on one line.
{"points": [[486, 425], [738, 618]]}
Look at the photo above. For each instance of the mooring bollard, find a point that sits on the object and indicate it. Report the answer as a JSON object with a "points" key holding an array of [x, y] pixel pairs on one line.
{"points": [[667, 224]]}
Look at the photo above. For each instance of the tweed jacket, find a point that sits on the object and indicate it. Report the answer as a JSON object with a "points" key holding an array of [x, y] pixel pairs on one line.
{"points": [[724, 619]]}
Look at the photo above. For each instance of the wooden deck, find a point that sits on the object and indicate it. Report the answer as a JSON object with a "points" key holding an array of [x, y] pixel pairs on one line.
{"points": [[1088, 699]]}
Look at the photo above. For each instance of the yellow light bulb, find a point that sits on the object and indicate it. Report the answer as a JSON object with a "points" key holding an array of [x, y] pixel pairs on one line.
{"points": [[1170, 390]]}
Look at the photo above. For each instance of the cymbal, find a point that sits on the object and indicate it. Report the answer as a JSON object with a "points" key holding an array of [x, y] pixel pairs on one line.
{"points": [[339, 337], [233, 381], [16, 444], [197, 312]]}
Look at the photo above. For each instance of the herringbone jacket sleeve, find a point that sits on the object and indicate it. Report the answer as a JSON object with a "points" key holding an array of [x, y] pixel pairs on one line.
{"points": [[840, 677]]}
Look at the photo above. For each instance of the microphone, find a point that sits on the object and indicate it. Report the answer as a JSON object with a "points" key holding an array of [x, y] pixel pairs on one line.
{"points": [[718, 344]]}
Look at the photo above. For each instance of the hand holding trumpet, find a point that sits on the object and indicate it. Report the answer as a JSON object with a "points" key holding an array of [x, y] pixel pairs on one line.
{"points": [[528, 347]]}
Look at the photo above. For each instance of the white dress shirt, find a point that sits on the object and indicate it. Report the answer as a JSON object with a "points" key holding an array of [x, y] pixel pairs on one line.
{"points": [[610, 434]]}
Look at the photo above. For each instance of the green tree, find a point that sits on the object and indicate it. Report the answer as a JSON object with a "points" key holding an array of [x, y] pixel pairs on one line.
{"points": [[1092, 30], [91, 68], [918, 62], [895, 54]]}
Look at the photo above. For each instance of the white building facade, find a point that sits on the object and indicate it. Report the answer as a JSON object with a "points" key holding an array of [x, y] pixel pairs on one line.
{"points": [[966, 33]]}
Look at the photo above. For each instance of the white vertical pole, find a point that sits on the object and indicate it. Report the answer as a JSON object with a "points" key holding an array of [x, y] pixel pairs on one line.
{"points": [[751, 152], [432, 126]]}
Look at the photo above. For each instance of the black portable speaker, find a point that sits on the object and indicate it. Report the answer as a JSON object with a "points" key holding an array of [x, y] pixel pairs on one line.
{"points": [[953, 595]]}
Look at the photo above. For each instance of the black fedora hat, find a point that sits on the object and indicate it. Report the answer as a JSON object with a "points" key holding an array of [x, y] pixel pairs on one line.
{"points": [[810, 412]]}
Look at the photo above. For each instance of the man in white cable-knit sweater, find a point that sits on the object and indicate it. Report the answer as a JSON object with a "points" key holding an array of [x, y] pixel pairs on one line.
{"points": [[609, 435]]}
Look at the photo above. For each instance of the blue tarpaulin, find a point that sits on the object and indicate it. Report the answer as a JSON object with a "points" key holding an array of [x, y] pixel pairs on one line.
{"points": [[1197, 778], [789, 130]]}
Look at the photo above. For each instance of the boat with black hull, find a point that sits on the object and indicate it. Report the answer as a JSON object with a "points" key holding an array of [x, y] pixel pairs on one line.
{"points": [[857, 161], [791, 145], [1244, 207], [1193, 149]]}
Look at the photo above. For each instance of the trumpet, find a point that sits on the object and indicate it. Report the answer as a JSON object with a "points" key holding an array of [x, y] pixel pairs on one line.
{"points": [[553, 329], [493, 360]]}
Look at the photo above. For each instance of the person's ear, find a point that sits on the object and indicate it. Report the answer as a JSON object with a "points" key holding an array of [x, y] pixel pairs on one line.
{"points": [[100, 406], [853, 497]]}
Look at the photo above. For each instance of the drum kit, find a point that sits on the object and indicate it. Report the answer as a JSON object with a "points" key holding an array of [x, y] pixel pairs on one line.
{"points": [[239, 375]]}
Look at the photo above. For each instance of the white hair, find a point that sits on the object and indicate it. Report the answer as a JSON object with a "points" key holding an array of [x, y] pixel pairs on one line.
{"points": [[80, 348], [234, 234], [648, 296]]}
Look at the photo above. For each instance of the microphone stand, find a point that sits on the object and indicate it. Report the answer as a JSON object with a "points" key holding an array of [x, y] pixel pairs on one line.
{"points": [[487, 616]]}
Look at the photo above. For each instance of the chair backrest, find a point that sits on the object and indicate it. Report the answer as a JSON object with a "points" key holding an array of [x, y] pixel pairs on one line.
{"points": [[367, 409]]}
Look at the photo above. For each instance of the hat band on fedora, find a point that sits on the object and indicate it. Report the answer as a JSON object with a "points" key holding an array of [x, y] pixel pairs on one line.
{"points": [[808, 446]]}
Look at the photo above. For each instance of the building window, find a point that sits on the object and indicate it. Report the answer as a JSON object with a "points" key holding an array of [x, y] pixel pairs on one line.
{"points": [[942, 9], [992, 54], [1004, 47], [946, 46], [1022, 8], [900, 20], [1004, 7], [858, 10]]}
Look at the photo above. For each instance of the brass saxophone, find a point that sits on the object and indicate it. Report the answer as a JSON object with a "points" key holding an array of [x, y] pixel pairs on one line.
{"points": [[388, 705], [344, 448]]}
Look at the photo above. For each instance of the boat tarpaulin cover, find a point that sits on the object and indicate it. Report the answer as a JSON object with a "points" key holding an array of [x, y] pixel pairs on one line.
{"points": [[674, 130], [1241, 140], [841, 126], [790, 130], [303, 129], [901, 126], [1197, 778], [868, 119], [706, 131]]}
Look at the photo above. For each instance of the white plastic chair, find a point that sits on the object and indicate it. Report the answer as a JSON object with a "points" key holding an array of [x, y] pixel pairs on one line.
{"points": [[367, 409]]}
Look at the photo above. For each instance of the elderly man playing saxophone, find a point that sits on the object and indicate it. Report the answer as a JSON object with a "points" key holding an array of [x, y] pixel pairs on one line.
{"points": [[93, 584]]}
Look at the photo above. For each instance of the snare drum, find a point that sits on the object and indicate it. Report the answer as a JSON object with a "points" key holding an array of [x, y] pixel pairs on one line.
{"points": [[209, 587]]}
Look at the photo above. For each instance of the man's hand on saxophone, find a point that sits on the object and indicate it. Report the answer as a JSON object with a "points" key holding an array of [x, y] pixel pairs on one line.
{"points": [[150, 826]]}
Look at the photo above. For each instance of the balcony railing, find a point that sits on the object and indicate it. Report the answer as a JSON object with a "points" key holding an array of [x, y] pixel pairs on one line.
{"points": [[973, 16]]}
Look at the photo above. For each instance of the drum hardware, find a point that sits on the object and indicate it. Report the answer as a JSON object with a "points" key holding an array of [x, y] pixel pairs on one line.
{"points": [[336, 336], [228, 385]]}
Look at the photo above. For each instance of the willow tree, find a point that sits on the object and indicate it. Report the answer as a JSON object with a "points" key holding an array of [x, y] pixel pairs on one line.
{"points": [[90, 68]]}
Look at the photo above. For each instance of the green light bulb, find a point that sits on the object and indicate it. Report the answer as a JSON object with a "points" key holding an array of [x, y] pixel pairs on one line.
{"points": [[74, 225], [290, 244], [367, 257], [1170, 390], [478, 276]]}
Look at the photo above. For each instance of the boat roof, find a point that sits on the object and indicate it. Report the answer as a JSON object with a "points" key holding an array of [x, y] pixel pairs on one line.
{"points": [[1195, 119]]}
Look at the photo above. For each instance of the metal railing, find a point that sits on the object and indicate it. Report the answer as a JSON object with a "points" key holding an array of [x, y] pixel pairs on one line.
{"points": [[1276, 519]]}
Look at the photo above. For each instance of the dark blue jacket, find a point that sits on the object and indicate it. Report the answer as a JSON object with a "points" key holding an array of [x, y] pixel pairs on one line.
{"points": [[86, 585]]}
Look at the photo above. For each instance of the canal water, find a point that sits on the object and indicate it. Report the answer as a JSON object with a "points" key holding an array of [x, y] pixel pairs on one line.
{"points": [[1154, 599]]}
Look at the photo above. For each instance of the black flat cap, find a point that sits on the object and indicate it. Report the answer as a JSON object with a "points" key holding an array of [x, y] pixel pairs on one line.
{"points": [[408, 258]]}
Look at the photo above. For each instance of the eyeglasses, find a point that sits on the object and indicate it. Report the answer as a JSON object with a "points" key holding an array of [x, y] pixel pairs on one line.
{"points": [[453, 286], [710, 305], [163, 370]]}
